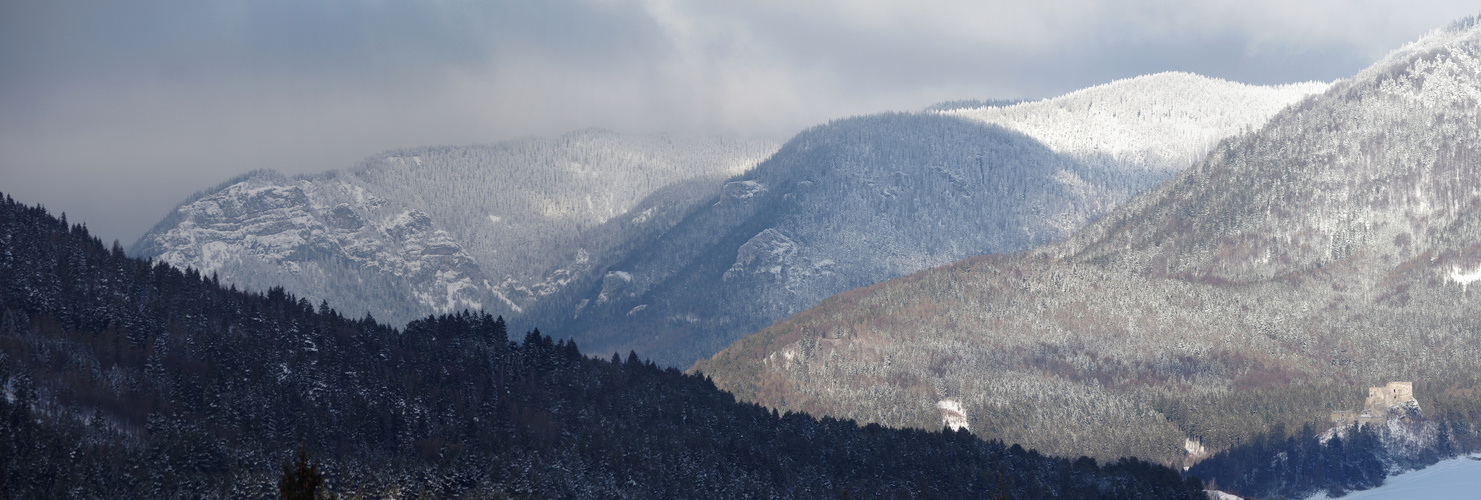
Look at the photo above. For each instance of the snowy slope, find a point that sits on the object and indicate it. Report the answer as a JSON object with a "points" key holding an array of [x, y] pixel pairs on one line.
{"points": [[1382, 162], [1160, 122], [1454, 479]]}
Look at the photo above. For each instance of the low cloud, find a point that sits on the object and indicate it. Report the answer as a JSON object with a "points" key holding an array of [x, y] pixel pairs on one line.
{"points": [[114, 112]]}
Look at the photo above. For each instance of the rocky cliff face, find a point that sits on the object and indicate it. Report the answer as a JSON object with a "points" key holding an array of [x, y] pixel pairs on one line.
{"points": [[435, 230], [1329, 249], [325, 237]]}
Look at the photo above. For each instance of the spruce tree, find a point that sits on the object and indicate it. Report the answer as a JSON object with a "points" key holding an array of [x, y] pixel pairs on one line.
{"points": [[301, 480]]}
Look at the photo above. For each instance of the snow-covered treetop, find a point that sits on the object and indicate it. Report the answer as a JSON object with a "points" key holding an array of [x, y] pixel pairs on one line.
{"points": [[1463, 30]]}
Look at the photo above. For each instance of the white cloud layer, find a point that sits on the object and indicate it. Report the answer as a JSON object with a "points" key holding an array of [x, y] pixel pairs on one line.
{"points": [[113, 112]]}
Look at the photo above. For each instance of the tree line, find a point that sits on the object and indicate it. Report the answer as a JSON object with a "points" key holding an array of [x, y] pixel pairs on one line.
{"points": [[130, 378]]}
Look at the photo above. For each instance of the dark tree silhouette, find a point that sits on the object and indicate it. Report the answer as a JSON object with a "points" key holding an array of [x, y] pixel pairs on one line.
{"points": [[301, 480]]}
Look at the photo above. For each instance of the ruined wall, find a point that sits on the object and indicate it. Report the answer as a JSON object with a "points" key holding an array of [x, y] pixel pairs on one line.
{"points": [[1376, 406], [1398, 393], [1377, 401]]}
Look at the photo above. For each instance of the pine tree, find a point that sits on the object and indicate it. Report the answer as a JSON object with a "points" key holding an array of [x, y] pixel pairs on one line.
{"points": [[301, 480]]}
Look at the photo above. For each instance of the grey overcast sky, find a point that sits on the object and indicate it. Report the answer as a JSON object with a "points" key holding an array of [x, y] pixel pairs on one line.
{"points": [[113, 112]]}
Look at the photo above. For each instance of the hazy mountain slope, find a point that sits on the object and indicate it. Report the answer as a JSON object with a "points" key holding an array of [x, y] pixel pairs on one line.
{"points": [[124, 378], [840, 206], [440, 229], [862, 200], [1278, 277]]}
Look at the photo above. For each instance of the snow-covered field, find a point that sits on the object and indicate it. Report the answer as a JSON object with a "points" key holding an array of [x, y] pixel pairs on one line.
{"points": [[1457, 478]]}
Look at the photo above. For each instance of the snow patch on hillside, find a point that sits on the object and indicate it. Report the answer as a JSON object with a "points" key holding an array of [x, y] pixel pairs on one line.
{"points": [[1465, 279], [643, 216], [504, 299], [952, 414], [1194, 447], [741, 190]]}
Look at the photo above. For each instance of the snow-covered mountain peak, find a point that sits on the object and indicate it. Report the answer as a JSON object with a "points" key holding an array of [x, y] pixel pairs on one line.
{"points": [[1160, 122], [1380, 166]]}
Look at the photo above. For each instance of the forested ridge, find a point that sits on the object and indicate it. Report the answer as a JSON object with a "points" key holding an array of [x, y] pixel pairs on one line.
{"points": [[1293, 266], [841, 205], [129, 378], [864, 199]]}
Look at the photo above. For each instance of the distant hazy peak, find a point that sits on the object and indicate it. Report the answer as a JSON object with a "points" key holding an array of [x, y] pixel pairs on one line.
{"points": [[438, 228], [1163, 121]]}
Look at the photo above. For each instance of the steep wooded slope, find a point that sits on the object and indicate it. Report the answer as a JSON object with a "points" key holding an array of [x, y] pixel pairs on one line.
{"points": [[865, 199], [1383, 164], [840, 206], [124, 378], [439, 229], [1292, 267]]}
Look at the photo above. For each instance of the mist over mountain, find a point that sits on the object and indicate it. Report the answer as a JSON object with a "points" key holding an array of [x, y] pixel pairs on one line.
{"points": [[442, 229], [1326, 251], [865, 199]]}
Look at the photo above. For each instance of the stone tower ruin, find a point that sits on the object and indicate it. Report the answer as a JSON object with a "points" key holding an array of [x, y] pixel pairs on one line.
{"points": [[1380, 401]]}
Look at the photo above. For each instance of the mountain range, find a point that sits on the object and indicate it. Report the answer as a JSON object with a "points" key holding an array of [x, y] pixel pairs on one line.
{"points": [[422, 231], [1327, 250], [641, 243], [1159, 273]]}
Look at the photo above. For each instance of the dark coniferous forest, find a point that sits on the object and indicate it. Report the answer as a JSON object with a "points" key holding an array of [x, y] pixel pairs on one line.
{"points": [[1337, 461], [124, 378], [1275, 465]]}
